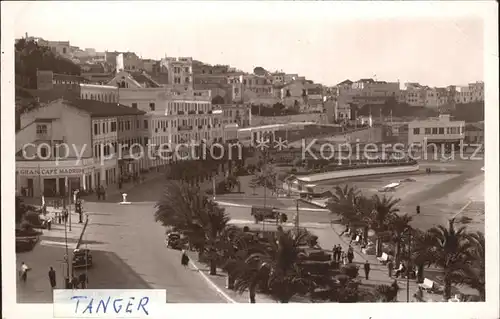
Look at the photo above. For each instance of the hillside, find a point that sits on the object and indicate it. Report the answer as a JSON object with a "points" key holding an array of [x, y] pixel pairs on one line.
{"points": [[31, 57]]}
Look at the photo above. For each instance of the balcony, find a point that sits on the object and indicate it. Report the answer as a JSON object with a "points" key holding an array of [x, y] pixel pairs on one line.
{"points": [[180, 113], [192, 112], [200, 112]]}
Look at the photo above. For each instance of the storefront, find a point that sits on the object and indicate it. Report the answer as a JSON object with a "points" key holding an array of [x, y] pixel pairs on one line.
{"points": [[53, 181]]}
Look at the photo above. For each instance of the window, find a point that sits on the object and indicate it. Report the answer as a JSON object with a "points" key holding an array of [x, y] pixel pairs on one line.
{"points": [[41, 129], [152, 106], [186, 80], [441, 130], [145, 124], [104, 128], [96, 129], [427, 130], [113, 126], [43, 152], [186, 70], [137, 124], [416, 131], [134, 105]]}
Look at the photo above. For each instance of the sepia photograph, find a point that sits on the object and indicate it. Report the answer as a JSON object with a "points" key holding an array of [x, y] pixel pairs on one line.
{"points": [[247, 158]]}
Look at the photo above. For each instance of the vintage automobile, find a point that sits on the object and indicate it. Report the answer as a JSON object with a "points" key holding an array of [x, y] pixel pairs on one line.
{"points": [[176, 241], [82, 258], [262, 213]]}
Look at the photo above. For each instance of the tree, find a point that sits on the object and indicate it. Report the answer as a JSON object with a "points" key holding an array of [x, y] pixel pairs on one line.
{"points": [[475, 271], [342, 202], [399, 224], [384, 209], [277, 267], [384, 293], [186, 209], [447, 248], [30, 57]]}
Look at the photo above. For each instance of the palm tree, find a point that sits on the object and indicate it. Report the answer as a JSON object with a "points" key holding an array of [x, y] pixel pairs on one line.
{"points": [[186, 209], [476, 270], [383, 210], [399, 224], [276, 267], [384, 293], [343, 201], [447, 248]]}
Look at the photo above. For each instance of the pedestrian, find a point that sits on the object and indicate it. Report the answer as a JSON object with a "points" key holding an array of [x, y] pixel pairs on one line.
{"points": [[353, 237], [120, 181], [59, 218], [334, 252], [83, 280], [339, 252], [103, 193], [24, 271], [395, 289], [367, 269], [350, 254], [65, 216], [390, 267], [49, 223], [52, 278], [74, 282], [184, 259], [98, 192], [346, 230]]}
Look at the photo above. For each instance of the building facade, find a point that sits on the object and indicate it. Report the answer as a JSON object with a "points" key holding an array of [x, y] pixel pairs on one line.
{"points": [[441, 130], [67, 145]]}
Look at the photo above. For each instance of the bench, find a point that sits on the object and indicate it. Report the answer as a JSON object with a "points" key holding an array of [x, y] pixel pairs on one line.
{"points": [[427, 285], [384, 258]]}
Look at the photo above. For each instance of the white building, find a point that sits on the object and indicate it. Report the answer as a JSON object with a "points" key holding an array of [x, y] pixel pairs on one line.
{"points": [[91, 131], [441, 130]]}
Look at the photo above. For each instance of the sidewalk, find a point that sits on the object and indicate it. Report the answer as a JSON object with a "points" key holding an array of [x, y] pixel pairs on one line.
{"points": [[220, 281], [49, 252]]}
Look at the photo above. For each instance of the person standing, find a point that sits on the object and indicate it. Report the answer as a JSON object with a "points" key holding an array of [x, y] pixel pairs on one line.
{"points": [[83, 279], [350, 254], [339, 253], [367, 269], [24, 271], [334, 252], [395, 289], [52, 278], [49, 223], [184, 259], [390, 267]]}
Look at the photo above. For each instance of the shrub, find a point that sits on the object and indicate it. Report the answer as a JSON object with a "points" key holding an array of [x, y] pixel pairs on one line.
{"points": [[350, 270]]}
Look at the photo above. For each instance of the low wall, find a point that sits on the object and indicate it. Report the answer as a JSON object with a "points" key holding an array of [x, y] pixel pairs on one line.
{"points": [[358, 172]]}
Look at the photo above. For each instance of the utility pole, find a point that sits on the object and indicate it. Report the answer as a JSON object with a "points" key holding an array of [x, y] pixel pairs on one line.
{"points": [[67, 279], [408, 266], [69, 204]]}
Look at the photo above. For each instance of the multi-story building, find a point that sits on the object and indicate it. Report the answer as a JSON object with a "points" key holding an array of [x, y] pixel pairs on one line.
{"points": [[239, 114], [69, 144], [252, 89], [213, 78], [474, 92], [47, 80], [441, 130], [415, 94], [131, 62], [179, 71], [372, 88], [474, 133]]}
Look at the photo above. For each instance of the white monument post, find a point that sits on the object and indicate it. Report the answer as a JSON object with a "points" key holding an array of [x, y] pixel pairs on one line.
{"points": [[124, 201]]}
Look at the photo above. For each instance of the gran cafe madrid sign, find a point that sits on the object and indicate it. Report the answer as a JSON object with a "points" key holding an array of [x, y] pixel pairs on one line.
{"points": [[53, 171]]}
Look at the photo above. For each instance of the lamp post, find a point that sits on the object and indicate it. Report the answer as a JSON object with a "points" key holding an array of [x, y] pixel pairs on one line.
{"points": [[409, 231]]}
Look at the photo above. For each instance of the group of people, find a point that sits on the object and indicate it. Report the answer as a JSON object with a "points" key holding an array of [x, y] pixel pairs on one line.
{"points": [[341, 256], [76, 282]]}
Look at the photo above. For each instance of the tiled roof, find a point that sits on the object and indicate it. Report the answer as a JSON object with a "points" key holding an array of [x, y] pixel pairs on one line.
{"points": [[46, 96], [345, 82], [141, 78], [94, 108], [102, 109], [68, 77]]}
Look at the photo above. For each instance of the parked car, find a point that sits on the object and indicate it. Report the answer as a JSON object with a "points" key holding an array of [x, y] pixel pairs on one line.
{"points": [[262, 213], [176, 241], [82, 258]]}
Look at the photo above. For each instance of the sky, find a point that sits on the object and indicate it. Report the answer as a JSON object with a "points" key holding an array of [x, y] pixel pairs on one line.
{"points": [[325, 42]]}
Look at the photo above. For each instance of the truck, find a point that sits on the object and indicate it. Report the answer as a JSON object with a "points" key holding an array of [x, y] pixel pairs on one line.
{"points": [[262, 213]]}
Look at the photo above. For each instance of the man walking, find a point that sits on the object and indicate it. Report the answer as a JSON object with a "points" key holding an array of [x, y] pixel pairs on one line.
{"points": [[52, 278], [334, 252], [367, 269]]}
